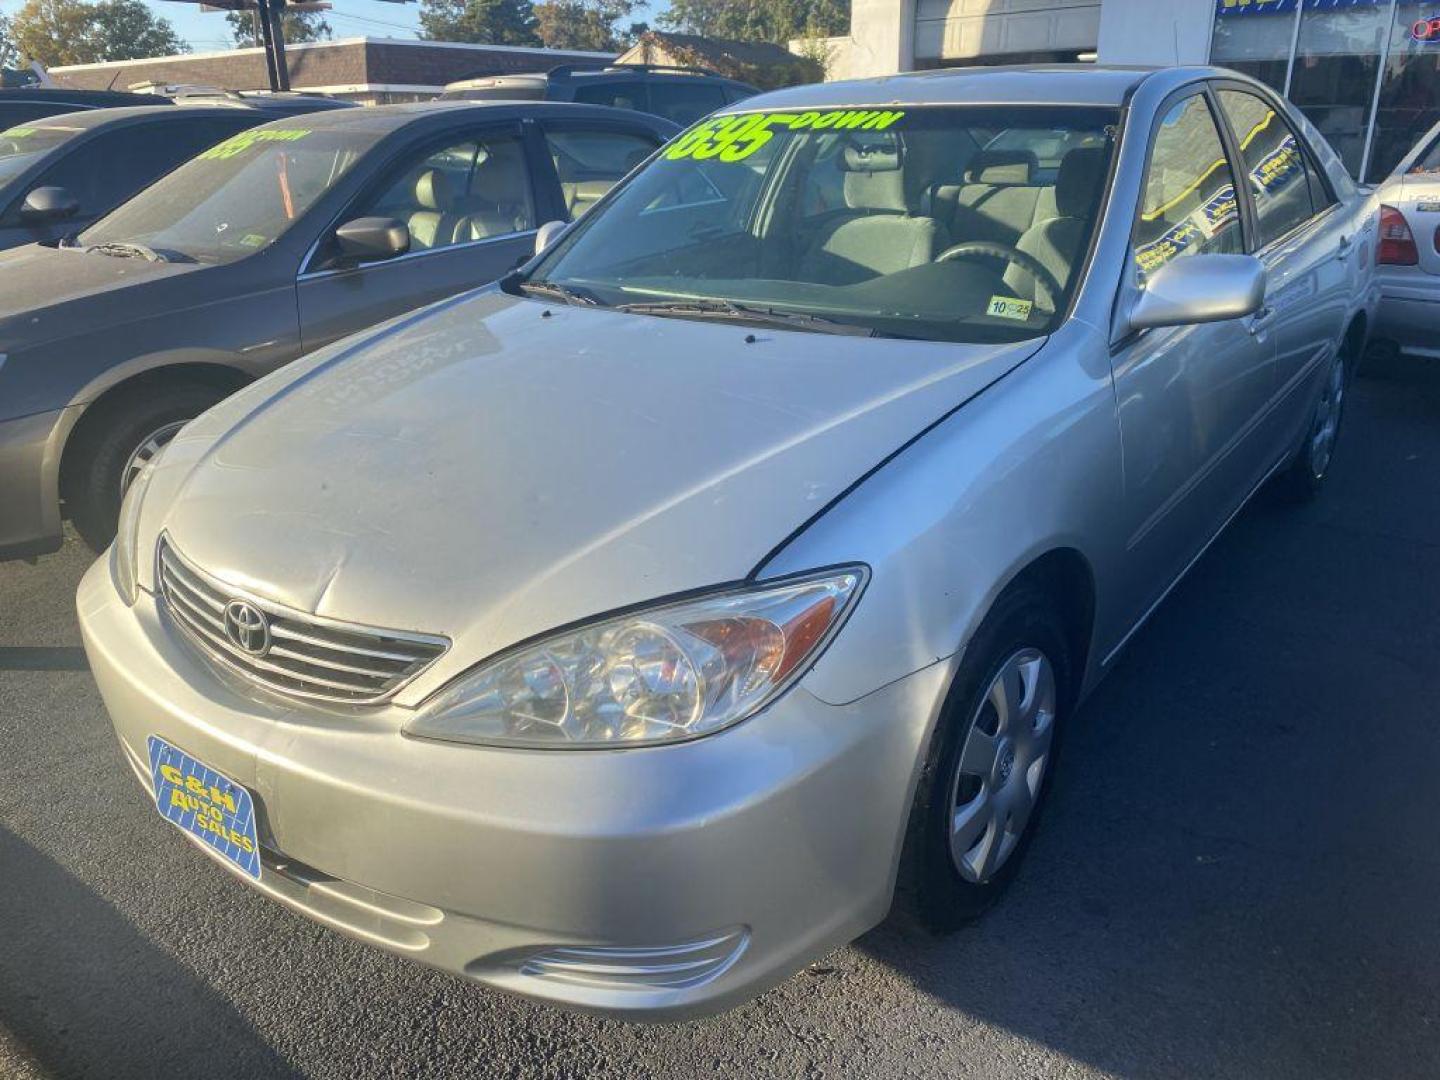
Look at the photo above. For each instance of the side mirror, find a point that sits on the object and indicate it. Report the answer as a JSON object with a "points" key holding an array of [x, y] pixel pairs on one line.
{"points": [[1200, 289], [547, 234], [367, 239], [48, 203]]}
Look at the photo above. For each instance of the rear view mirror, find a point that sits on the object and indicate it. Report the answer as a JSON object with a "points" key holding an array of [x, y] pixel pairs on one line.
{"points": [[1200, 289], [369, 238], [49, 203], [547, 234]]}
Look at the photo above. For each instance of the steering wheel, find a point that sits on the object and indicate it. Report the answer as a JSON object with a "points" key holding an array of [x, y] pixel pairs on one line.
{"points": [[1046, 287]]}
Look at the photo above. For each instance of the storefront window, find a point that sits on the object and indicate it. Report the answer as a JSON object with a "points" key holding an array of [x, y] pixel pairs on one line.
{"points": [[1410, 93], [1255, 37], [1336, 65]]}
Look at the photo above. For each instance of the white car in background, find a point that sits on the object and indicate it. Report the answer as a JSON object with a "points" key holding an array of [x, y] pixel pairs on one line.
{"points": [[1409, 255]]}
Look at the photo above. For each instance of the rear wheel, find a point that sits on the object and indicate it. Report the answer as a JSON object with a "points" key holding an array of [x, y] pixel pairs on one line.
{"points": [[1302, 480], [116, 444], [990, 764]]}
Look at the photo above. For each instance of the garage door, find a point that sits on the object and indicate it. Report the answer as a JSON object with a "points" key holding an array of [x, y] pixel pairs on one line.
{"points": [[950, 31]]}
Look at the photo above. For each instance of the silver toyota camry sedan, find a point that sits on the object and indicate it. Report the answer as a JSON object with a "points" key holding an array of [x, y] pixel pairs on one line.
{"points": [[632, 632]]}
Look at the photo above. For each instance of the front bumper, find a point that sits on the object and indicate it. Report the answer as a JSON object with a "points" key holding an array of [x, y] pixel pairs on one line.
{"points": [[654, 883], [30, 483], [1410, 311]]}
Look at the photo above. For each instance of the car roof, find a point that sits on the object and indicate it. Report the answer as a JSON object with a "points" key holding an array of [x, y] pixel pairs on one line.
{"points": [[12, 94], [1032, 84], [90, 119], [387, 118]]}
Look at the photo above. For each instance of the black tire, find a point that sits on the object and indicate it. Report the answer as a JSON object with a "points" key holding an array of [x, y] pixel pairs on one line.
{"points": [[931, 889], [1302, 479], [109, 438]]}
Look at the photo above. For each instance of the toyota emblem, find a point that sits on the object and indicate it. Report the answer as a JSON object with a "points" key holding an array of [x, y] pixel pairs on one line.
{"points": [[247, 628]]}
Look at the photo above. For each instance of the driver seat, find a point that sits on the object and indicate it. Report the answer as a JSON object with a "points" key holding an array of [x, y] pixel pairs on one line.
{"points": [[877, 233], [1056, 243]]}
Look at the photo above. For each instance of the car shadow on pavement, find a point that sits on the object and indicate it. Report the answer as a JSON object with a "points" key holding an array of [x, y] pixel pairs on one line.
{"points": [[83, 993], [1236, 873]]}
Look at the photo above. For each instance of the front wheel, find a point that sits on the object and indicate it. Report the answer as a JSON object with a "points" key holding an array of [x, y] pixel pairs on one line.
{"points": [[116, 445], [990, 764]]}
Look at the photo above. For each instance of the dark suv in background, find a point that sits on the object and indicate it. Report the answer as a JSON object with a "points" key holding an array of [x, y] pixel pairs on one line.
{"points": [[681, 95]]}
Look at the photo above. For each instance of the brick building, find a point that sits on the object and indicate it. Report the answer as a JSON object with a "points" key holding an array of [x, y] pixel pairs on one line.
{"points": [[372, 71]]}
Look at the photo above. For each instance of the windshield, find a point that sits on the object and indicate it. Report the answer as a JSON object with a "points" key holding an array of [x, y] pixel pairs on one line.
{"points": [[957, 224], [24, 145], [238, 197], [1428, 160]]}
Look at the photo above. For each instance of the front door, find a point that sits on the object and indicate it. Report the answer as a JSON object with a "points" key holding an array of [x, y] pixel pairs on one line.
{"points": [[1190, 397], [469, 205]]}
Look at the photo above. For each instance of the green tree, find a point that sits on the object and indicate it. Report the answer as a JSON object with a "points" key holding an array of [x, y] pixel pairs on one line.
{"points": [[778, 21], [59, 32], [586, 24], [9, 54], [298, 26], [486, 22]]}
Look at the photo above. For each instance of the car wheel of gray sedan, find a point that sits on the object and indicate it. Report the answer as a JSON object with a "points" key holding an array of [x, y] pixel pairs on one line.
{"points": [[1303, 478], [116, 444], [990, 763]]}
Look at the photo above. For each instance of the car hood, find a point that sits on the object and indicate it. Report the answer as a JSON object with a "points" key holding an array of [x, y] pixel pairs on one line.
{"points": [[494, 467], [42, 285]]}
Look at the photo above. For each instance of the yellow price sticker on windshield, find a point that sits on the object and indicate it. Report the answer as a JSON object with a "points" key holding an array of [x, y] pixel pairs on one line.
{"points": [[734, 138], [1007, 307], [236, 144], [17, 133]]}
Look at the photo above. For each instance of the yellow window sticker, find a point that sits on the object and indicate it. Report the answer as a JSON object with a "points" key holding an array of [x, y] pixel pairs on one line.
{"points": [[734, 138], [1007, 307], [17, 133], [237, 144]]}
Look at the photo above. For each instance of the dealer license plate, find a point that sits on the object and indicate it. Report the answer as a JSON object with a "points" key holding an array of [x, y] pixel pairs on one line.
{"points": [[205, 803]]}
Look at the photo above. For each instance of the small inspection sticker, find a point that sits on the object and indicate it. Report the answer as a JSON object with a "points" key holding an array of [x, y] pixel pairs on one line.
{"points": [[1007, 307]]}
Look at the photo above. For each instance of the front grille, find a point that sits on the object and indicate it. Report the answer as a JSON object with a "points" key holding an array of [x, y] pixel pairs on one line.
{"points": [[307, 656]]}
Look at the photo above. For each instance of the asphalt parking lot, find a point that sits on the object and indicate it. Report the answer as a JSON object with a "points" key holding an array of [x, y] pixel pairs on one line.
{"points": [[1237, 875]]}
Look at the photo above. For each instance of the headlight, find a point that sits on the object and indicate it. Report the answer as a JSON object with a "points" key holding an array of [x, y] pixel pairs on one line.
{"points": [[127, 533], [662, 675]]}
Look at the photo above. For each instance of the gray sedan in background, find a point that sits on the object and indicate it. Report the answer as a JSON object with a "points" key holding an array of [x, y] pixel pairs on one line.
{"points": [[270, 244], [1409, 258], [632, 632]]}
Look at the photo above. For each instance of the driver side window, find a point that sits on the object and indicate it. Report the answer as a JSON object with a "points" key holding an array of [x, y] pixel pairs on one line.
{"points": [[1189, 202]]}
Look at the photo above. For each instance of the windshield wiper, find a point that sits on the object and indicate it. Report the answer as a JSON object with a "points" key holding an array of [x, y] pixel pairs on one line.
{"points": [[128, 249], [569, 293], [744, 313]]}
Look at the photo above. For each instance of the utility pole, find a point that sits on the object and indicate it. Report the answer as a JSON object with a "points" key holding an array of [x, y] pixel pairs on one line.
{"points": [[270, 14]]}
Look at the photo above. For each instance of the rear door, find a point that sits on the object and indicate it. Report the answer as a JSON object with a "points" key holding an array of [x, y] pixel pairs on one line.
{"points": [[468, 201], [1308, 244], [586, 158]]}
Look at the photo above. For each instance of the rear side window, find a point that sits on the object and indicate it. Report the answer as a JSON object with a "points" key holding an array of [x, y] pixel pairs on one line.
{"points": [[1189, 204], [685, 99], [619, 95], [1275, 164], [590, 163]]}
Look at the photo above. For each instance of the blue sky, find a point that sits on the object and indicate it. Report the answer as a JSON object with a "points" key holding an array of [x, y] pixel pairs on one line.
{"points": [[207, 30]]}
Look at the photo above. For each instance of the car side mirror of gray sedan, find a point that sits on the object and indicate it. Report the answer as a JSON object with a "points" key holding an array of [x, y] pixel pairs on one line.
{"points": [[547, 234], [1200, 289], [48, 203], [367, 239]]}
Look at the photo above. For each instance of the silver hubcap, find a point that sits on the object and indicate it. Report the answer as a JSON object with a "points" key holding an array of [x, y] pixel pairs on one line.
{"points": [[1327, 419], [1002, 765], [149, 446]]}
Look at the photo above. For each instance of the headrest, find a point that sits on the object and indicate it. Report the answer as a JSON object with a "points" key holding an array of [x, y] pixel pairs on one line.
{"points": [[500, 177], [1081, 173], [871, 157], [1002, 167], [432, 190]]}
